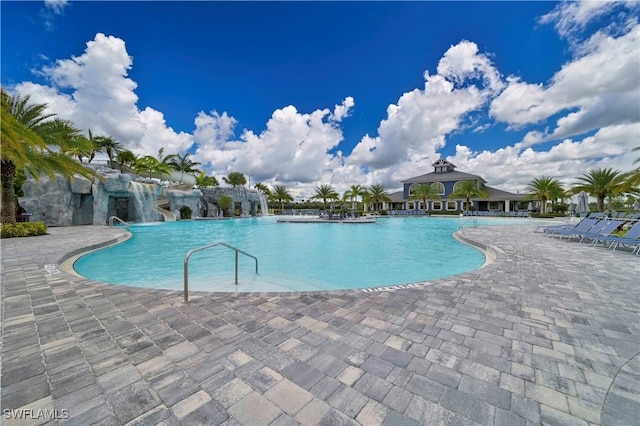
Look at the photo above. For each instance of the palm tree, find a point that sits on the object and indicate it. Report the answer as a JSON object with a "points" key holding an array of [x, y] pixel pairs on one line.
{"points": [[150, 164], [78, 147], [110, 146], [377, 194], [468, 189], [126, 159], [28, 144], [353, 193], [602, 183], [280, 193], [203, 181], [95, 146], [325, 192], [424, 192], [544, 189], [235, 179], [184, 164], [261, 187]]}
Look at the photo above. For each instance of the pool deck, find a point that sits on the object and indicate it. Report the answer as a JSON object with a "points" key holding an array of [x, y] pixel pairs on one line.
{"points": [[548, 333]]}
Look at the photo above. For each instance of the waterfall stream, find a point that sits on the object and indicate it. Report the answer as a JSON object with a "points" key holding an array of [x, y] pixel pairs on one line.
{"points": [[144, 199], [264, 208]]}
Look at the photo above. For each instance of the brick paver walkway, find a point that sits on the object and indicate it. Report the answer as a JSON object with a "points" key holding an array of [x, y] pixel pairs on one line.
{"points": [[549, 333]]}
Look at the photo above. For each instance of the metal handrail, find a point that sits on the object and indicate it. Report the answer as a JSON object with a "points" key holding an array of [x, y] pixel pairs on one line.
{"points": [[472, 219], [220, 243], [119, 220]]}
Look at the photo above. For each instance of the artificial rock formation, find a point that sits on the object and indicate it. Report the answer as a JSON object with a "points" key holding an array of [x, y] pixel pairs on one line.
{"points": [[81, 201]]}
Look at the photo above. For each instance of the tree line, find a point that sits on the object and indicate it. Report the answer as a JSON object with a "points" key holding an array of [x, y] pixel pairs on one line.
{"points": [[36, 143]]}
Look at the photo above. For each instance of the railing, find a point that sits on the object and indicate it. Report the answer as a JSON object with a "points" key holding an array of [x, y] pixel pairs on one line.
{"points": [[186, 264], [112, 218], [474, 222]]}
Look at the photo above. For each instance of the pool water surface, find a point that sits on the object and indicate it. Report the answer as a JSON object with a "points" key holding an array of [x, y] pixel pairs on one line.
{"points": [[292, 256]]}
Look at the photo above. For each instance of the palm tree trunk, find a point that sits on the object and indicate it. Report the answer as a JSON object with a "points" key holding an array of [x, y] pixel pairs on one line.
{"points": [[8, 173]]}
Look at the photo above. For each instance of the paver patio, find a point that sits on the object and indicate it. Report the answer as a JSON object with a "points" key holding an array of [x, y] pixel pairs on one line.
{"points": [[548, 333]]}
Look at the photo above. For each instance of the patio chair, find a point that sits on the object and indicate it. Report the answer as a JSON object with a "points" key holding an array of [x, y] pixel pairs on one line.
{"points": [[630, 238], [605, 230], [583, 225]]}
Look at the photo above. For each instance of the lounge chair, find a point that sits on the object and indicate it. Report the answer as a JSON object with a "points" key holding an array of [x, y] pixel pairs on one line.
{"points": [[631, 238], [581, 226], [605, 230]]}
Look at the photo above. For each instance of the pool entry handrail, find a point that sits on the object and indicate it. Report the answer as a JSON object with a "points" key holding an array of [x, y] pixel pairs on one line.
{"points": [[219, 243], [473, 221], [112, 218]]}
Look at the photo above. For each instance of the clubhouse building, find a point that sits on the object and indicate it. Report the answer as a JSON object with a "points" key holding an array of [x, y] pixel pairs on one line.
{"points": [[445, 179]]}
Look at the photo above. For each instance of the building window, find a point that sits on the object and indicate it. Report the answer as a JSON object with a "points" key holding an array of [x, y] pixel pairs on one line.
{"points": [[494, 205], [455, 186], [438, 187], [410, 206], [437, 205], [451, 205]]}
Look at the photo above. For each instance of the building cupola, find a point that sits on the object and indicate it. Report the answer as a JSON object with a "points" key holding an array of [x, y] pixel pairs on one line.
{"points": [[443, 166]]}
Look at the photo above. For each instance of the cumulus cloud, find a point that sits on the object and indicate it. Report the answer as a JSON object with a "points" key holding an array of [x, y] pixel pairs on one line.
{"points": [[294, 147], [513, 167], [417, 126], [94, 91], [599, 88]]}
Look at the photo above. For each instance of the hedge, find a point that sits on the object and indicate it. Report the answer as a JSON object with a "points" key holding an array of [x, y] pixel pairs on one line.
{"points": [[22, 229]]}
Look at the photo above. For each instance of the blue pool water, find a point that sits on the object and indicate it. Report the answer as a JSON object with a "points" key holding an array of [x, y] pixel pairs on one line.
{"points": [[292, 256]]}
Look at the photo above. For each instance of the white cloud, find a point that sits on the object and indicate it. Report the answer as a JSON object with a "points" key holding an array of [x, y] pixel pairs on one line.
{"points": [[513, 167], [292, 149], [599, 88], [416, 127], [56, 6], [570, 18], [341, 111], [94, 91]]}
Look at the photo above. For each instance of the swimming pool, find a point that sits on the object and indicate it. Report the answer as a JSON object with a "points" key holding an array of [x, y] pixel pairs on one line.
{"points": [[292, 256]]}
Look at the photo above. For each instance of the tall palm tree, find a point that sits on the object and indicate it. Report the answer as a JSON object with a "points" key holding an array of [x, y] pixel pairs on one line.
{"points": [[110, 146], [325, 192], [424, 192], [95, 146], [377, 194], [235, 179], [468, 189], [601, 183], [544, 189], [353, 193], [280, 193], [27, 143]]}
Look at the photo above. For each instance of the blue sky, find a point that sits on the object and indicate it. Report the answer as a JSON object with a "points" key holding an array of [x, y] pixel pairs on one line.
{"points": [[301, 93]]}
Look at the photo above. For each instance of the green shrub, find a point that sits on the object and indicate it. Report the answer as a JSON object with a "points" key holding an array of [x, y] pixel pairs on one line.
{"points": [[185, 212], [22, 229]]}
